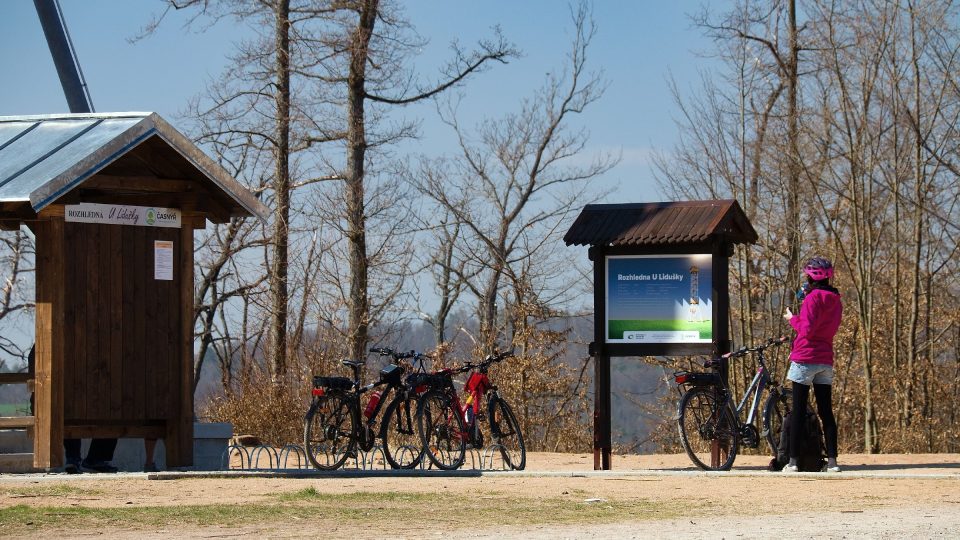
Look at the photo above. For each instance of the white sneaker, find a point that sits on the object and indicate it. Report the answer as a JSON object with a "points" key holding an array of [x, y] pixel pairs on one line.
{"points": [[790, 468], [834, 469]]}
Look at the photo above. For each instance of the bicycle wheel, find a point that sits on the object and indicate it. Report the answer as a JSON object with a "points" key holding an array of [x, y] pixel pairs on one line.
{"points": [[507, 434], [708, 429], [441, 430], [774, 411], [401, 442], [328, 431]]}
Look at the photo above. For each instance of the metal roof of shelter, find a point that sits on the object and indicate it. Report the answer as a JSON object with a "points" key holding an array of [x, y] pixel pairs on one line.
{"points": [[42, 158], [642, 224]]}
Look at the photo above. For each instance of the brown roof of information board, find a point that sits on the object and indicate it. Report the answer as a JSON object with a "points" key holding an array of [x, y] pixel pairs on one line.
{"points": [[681, 222]]}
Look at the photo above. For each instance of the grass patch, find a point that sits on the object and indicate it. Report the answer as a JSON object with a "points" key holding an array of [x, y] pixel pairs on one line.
{"points": [[357, 511], [305, 494], [78, 518], [55, 490]]}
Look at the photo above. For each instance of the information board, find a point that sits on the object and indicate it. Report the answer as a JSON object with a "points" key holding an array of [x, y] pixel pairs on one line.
{"points": [[659, 299]]}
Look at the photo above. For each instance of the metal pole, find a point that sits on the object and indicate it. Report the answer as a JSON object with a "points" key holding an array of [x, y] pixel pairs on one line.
{"points": [[68, 69]]}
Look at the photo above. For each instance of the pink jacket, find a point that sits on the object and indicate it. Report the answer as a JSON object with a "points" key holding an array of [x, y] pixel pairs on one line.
{"points": [[816, 324]]}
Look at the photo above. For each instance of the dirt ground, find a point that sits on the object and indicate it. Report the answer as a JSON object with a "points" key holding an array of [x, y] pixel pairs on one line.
{"points": [[558, 496]]}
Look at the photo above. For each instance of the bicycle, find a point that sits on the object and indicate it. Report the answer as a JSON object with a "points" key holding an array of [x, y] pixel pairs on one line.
{"points": [[448, 426], [335, 427], [504, 428], [710, 427]]}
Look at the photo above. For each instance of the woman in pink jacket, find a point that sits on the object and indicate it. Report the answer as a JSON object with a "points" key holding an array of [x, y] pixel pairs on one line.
{"points": [[811, 360]]}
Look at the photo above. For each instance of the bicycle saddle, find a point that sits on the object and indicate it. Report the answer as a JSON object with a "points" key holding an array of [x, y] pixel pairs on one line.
{"points": [[351, 363]]}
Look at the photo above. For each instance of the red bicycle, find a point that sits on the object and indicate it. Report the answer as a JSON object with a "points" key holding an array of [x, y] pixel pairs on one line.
{"points": [[447, 425]]}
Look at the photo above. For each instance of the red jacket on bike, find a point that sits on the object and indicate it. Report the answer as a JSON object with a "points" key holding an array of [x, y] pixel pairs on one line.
{"points": [[816, 324]]}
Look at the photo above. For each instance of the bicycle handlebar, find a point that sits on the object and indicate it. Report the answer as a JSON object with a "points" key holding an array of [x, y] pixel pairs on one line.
{"points": [[493, 358], [743, 351], [486, 362], [385, 351]]}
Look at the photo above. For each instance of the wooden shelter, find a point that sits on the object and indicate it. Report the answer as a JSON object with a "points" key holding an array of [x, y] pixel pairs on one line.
{"points": [[113, 201], [668, 230]]}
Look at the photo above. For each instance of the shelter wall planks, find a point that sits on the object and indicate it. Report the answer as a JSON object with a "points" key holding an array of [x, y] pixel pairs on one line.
{"points": [[123, 355], [116, 320]]}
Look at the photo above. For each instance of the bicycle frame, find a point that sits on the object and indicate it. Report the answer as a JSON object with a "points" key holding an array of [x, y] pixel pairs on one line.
{"points": [[368, 435], [469, 422], [363, 427], [476, 389], [759, 383]]}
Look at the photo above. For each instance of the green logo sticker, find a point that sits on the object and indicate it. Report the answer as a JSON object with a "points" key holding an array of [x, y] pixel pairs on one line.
{"points": [[151, 216]]}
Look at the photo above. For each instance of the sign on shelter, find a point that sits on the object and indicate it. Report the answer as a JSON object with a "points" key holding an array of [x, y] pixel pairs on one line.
{"points": [[117, 214]]}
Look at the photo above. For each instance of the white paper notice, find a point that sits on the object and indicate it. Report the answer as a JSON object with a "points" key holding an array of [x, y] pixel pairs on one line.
{"points": [[163, 260]]}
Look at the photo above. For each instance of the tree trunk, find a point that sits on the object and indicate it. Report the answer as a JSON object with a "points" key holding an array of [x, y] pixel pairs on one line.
{"points": [[488, 309], [793, 163], [281, 187], [359, 302], [918, 217]]}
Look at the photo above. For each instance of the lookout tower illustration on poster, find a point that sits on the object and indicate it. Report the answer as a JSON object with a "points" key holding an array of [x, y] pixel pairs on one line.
{"points": [[660, 285], [694, 309]]}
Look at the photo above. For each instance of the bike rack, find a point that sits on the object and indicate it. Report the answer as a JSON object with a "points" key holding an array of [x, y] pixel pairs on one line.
{"points": [[484, 459], [291, 449], [407, 450], [372, 454], [225, 458], [357, 461], [272, 458], [474, 457], [489, 458]]}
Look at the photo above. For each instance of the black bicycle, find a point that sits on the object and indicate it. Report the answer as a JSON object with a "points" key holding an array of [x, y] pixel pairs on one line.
{"points": [[711, 430], [335, 427]]}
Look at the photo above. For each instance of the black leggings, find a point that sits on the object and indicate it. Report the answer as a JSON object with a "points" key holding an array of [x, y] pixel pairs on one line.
{"points": [[821, 392]]}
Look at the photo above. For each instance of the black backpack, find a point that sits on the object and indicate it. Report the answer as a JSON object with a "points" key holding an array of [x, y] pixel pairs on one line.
{"points": [[811, 450]]}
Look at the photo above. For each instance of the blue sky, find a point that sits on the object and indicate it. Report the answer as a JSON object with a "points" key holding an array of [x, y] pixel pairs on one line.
{"points": [[638, 45]]}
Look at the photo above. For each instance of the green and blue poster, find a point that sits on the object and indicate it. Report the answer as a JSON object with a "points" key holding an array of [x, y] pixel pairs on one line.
{"points": [[659, 299]]}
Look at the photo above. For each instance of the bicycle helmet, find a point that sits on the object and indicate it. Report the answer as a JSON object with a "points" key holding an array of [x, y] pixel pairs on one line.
{"points": [[819, 268]]}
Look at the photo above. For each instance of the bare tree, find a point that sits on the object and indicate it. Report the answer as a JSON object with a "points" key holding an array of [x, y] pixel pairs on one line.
{"points": [[875, 139], [16, 266], [375, 76], [504, 201], [316, 75], [512, 188]]}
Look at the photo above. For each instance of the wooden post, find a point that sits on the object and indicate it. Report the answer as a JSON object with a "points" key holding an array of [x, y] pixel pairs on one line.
{"points": [[48, 370], [721, 301], [179, 443], [721, 325], [602, 440]]}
